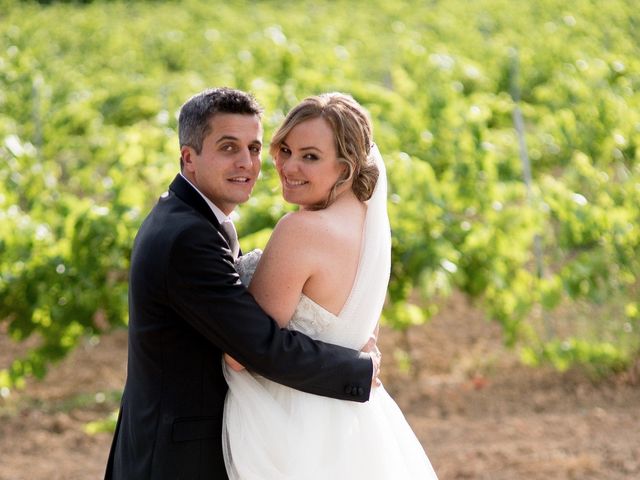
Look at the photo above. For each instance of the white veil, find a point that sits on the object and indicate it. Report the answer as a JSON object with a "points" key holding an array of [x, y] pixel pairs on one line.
{"points": [[362, 310]]}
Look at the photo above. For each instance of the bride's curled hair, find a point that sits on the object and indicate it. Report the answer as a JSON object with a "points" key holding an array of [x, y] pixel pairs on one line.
{"points": [[353, 137]]}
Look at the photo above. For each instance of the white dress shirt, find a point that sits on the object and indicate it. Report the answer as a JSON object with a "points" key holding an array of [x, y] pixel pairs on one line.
{"points": [[222, 218], [220, 215]]}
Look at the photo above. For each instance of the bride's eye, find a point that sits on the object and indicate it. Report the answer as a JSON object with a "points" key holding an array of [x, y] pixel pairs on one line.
{"points": [[285, 151], [310, 156]]}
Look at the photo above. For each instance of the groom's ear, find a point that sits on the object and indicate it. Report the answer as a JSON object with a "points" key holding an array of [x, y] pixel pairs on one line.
{"points": [[185, 158]]}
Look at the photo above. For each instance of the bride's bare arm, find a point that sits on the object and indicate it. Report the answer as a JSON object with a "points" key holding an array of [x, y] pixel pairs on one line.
{"points": [[286, 265], [284, 268]]}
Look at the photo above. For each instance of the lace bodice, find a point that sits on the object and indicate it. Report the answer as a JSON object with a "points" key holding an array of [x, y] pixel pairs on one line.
{"points": [[309, 317]]}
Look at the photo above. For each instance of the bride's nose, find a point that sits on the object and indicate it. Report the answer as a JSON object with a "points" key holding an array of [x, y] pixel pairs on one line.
{"points": [[288, 165]]}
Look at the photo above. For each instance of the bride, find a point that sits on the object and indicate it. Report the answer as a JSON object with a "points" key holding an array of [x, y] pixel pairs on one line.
{"points": [[324, 272]]}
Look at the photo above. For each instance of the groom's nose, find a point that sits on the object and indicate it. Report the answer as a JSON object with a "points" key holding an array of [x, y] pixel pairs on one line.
{"points": [[243, 159]]}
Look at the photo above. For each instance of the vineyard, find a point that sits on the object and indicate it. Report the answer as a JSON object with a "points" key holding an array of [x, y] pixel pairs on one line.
{"points": [[511, 131]]}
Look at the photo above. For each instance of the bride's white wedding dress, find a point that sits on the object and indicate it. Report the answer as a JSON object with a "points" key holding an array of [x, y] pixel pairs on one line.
{"points": [[273, 432]]}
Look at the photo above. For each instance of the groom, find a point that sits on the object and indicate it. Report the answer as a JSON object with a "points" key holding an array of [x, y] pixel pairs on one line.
{"points": [[187, 307]]}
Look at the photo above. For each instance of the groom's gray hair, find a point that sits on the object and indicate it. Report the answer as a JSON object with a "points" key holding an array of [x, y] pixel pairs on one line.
{"points": [[195, 114]]}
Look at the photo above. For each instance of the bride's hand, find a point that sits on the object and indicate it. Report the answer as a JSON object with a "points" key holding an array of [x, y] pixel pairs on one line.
{"points": [[233, 363]]}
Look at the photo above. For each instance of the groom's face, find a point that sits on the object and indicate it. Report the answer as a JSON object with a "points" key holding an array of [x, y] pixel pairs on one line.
{"points": [[226, 169]]}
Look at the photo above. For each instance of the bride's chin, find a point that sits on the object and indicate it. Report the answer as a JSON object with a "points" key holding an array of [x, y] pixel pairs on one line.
{"points": [[289, 198]]}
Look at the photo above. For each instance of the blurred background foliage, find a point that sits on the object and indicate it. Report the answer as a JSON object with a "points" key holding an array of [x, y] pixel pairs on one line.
{"points": [[89, 93]]}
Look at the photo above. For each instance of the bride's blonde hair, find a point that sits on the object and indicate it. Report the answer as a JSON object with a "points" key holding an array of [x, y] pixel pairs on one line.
{"points": [[352, 133]]}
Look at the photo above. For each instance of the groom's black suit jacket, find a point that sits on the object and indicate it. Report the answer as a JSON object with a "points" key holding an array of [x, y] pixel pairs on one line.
{"points": [[186, 307]]}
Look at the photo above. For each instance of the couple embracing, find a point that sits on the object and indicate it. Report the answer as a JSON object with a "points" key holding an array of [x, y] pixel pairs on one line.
{"points": [[257, 366]]}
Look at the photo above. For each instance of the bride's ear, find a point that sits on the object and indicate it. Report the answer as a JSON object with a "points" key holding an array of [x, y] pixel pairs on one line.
{"points": [[343, 165], [346, 170]]}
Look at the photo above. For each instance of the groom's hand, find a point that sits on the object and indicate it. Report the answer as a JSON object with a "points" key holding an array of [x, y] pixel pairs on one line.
{"points": [[375, 380], [371, 347]]}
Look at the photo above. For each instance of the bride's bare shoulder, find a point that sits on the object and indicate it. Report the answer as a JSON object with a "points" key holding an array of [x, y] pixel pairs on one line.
{"points": [[304, 226], [305, 222]]}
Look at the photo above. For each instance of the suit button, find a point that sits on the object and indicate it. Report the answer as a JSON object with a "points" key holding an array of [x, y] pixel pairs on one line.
{"points": [[348, 389], [360, 391]]}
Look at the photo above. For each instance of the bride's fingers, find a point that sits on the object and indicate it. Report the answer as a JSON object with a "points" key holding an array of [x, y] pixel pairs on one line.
{"points": [[233, 363]]}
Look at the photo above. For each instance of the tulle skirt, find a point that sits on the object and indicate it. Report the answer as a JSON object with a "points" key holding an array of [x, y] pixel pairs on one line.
{"points": [[275, 432]]}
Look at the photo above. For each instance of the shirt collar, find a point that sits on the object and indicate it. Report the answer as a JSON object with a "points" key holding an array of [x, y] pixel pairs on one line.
{"points": [[220, 215]]}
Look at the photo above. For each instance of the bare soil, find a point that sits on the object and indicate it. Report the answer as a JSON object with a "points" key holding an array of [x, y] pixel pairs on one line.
{"points": [[478, 412]]}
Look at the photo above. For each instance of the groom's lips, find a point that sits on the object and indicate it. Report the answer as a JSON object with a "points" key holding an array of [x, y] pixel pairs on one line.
{"points": [[240, 179]]}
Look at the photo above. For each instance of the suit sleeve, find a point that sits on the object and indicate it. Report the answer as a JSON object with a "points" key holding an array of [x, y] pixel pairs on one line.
{"points": [[205, 290]]}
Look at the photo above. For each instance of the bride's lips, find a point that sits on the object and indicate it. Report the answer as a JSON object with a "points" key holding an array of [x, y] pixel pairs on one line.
{"points": [[292, 183]]}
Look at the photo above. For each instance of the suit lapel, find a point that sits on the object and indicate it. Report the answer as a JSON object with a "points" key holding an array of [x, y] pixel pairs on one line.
{"points": [[185, 192]]}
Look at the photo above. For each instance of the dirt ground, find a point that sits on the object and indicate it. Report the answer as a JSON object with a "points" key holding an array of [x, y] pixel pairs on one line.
{"points": [[478, 413]]}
